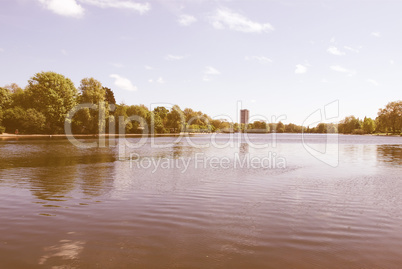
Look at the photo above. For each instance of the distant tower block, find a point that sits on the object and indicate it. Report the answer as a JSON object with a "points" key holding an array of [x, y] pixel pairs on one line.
{"points": [[244, 115]]}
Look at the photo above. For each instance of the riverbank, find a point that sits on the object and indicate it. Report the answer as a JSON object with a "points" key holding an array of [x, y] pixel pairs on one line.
{"points": [[7, 136]]}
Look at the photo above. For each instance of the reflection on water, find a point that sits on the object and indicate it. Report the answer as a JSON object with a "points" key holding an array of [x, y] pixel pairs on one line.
{"points": [[391, 154], [64, 207]]}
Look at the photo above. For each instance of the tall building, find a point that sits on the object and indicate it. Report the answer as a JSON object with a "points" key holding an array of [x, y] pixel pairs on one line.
{"points": [[244, 115]]}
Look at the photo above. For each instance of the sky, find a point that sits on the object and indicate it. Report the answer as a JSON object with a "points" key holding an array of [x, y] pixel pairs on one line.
{"points": [[279, 59]]}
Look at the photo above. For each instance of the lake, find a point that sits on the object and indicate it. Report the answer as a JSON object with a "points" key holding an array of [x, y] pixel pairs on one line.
{"points": [[206, 201]]}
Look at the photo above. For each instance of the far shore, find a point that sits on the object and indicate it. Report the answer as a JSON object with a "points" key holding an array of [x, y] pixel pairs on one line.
{"points": [[8, 136]]}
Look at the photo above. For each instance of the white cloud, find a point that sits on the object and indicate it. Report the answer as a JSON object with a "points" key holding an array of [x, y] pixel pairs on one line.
{"points": [[376, 34], [171, 57], [225, 18], [372, 81], [335, 51], [210, 71], [147, 67], [124, 4], [68, 8], [390, 61], [72, 8], [300, 69], [160, 80], [324, 80], [357, 50], [123, 83], [341, 69], [261, 59], [186, 20], [332, 40]]}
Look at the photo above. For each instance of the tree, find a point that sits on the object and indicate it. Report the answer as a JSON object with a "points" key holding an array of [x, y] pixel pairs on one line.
{"points": [[5, 100], [91, 92], [280, 127], [176, 119], [368, 125], [109, 96], [52, 95], [390, 117], [349, 124]]}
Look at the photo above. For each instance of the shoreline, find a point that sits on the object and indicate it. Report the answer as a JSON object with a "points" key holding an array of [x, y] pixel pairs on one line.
{"points": [[8, 136]]}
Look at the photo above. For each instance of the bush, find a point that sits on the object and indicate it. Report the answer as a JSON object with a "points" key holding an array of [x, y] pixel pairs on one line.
{"points": [[358, 132], [2, 129]]}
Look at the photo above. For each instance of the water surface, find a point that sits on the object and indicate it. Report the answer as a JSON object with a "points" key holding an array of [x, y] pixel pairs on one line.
{"points": [[68, 207]]}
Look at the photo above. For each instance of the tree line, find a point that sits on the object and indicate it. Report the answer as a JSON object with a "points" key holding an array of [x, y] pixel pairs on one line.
{"points": [[45, 104]]}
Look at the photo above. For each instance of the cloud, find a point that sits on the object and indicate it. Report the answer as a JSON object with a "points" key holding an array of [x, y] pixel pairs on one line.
{"points": [[224, 18], [376, 34], [123, 4], [372, 81], [171, 57], [335, 51], [390, 61], [123, 83], [72, 8], [186, 20], [210, 71], [341, 69], [261, 59], [357, 50], [68, 8], [147, 67], [300, 69], [160, 80]]}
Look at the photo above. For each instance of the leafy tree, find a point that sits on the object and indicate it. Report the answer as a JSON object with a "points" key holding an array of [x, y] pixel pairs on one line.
{"points": [[87, 120], [280, 127], [368, 125], [33, 121], [176, 119], [109, 96], [349, 124], [52, 95], [5, 98], [390, 117]]}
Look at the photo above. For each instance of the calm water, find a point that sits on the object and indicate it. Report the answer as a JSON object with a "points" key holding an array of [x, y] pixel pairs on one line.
{"points": [[175, 204]]}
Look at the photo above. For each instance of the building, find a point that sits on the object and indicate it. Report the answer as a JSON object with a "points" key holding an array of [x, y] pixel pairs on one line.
{"points": [[244, 116]]}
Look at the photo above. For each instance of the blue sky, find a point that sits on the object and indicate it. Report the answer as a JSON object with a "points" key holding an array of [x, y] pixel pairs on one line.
{"points": [[276, 57]]}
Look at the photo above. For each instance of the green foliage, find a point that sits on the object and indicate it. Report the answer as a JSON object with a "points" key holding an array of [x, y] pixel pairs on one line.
{"points": [[390, 118], [52, 95], [368, 125], [43, 105], [109, 96], [88, 120], [5, 98], [349, 124], [26, 121]]}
